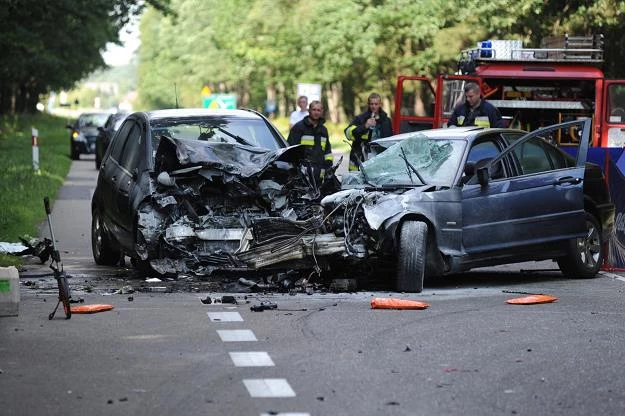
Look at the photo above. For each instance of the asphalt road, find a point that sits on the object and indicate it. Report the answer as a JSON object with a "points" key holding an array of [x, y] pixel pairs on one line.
{"points": [[156, 353]]}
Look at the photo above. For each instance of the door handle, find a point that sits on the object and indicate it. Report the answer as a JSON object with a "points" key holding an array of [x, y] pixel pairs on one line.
{"points": [[568, 180]]}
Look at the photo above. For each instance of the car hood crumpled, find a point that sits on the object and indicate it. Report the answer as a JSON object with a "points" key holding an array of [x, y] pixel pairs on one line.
{"points": [[223, 206], [235, 159]]}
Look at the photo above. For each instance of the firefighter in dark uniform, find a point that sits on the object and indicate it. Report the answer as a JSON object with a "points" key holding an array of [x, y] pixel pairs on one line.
{"points": [[313, 135], [475, 111], [371, 124]]}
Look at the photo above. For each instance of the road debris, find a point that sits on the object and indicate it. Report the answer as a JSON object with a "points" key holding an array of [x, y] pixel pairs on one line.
{"points": [[94, 308], [394, 303], [532, 300], [264, 306]]}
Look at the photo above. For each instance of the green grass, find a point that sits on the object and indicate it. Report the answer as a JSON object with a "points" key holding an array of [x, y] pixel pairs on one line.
{"points": [[21, 188]]}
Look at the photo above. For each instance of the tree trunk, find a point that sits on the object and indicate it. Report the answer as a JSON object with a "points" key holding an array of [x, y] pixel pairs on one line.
{"points": [[335, 108], [282, 102], [270, 103]]}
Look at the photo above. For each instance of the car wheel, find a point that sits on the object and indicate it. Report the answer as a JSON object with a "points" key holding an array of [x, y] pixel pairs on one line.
{"points": [[103, 252], [411, 256], [75, 155], [584, 255]]}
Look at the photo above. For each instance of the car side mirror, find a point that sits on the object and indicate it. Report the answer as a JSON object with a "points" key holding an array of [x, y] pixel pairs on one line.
{"points": [[101, 129], [483, 175], [69, 126]]}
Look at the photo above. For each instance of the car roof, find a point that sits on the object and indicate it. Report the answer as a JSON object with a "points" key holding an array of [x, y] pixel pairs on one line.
{"points": [[467, 132], [195, 112]]}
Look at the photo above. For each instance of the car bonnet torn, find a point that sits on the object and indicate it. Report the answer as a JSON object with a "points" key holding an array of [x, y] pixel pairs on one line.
{"points": [[225, 206]]}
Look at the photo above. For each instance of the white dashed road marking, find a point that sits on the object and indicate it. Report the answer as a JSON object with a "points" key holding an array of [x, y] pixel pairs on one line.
{"points": [[613, 276], [235, 335], [251, 359], [269, 387], [225, 316]]}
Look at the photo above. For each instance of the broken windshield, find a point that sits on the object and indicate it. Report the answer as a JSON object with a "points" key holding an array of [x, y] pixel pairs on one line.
{"points": [[217, 129], [436, 161]]}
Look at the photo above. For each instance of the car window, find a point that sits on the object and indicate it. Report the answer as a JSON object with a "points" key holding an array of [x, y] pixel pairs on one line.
{"points": [[92, 120], [483, 150], [533, 157], [132, 149], [120, 140], [479, 156]]}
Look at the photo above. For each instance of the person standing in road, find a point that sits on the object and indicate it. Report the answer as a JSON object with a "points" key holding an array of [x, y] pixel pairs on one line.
{"points": [[313, 135], [297, 115], [371, 124], [475, 111]]}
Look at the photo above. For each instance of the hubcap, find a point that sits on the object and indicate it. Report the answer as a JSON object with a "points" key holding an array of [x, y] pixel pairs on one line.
{"points": [[97, 234], [589, 247]]}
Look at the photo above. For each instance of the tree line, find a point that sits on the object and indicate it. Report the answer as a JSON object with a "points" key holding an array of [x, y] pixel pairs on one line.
{"points": [[50, 45], [261, 49]]}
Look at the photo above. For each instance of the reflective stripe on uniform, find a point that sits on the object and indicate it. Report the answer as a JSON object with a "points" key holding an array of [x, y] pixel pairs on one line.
{"points": [[349, 132], [308, 140], [482, 121]]}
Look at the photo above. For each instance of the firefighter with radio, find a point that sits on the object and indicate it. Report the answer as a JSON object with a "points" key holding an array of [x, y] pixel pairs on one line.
{"points": [[371, 124], [475, 111]]}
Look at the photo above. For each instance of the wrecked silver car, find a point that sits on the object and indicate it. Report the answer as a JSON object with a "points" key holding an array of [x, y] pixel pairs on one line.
{"points": [[201, 191], [448, 200]]}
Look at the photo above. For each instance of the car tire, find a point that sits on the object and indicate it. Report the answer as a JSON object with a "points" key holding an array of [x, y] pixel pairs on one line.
{"points": [[411, 256], [584, 255], [74, 154], [103, 252]]}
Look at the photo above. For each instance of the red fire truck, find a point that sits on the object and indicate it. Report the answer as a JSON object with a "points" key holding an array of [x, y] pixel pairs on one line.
{"points": [[532, 87]]}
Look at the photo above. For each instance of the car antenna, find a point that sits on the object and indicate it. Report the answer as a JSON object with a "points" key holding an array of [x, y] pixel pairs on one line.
{"points": [[176, 94]]}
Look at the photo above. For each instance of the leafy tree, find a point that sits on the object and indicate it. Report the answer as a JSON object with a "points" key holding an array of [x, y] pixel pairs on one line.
{"points": [[51, 45]]}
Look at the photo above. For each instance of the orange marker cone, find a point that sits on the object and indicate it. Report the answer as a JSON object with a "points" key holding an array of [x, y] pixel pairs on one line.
{"points": [[91, 308], [393, 303], [532, 300]]}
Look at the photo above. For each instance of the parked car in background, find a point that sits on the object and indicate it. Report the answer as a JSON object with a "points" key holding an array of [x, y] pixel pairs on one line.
{"points": [[83, 133], [105, 133], [443, 201], [201, 190]]}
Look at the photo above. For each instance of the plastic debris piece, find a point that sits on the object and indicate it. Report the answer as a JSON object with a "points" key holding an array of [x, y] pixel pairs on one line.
{"points": [[532, 300], [228, 299], [91, 308], [394, 303], [264, 306]]}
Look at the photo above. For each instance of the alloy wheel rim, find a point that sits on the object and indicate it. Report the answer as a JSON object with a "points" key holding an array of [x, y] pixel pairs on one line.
{"points": [[589, 247]]}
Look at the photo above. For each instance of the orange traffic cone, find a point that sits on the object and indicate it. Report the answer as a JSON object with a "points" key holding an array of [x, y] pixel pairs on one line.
{"points": [[392, 303], [91, 308], [532, 300]]}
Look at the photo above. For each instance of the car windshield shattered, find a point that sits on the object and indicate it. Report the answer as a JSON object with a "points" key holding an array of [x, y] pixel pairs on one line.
{"points": [[416, 160], [216, 129]]}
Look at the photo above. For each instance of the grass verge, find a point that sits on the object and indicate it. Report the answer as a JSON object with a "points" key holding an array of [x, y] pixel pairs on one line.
{"points": [[21, 188]]}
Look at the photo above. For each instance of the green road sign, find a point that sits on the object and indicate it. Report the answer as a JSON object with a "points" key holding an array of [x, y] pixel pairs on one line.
{"points": [[224, 101]]}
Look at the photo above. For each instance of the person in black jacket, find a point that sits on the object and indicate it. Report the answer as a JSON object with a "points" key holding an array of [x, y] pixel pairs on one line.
{"points": [[313, 135], [475, 111], [371, 124]]}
